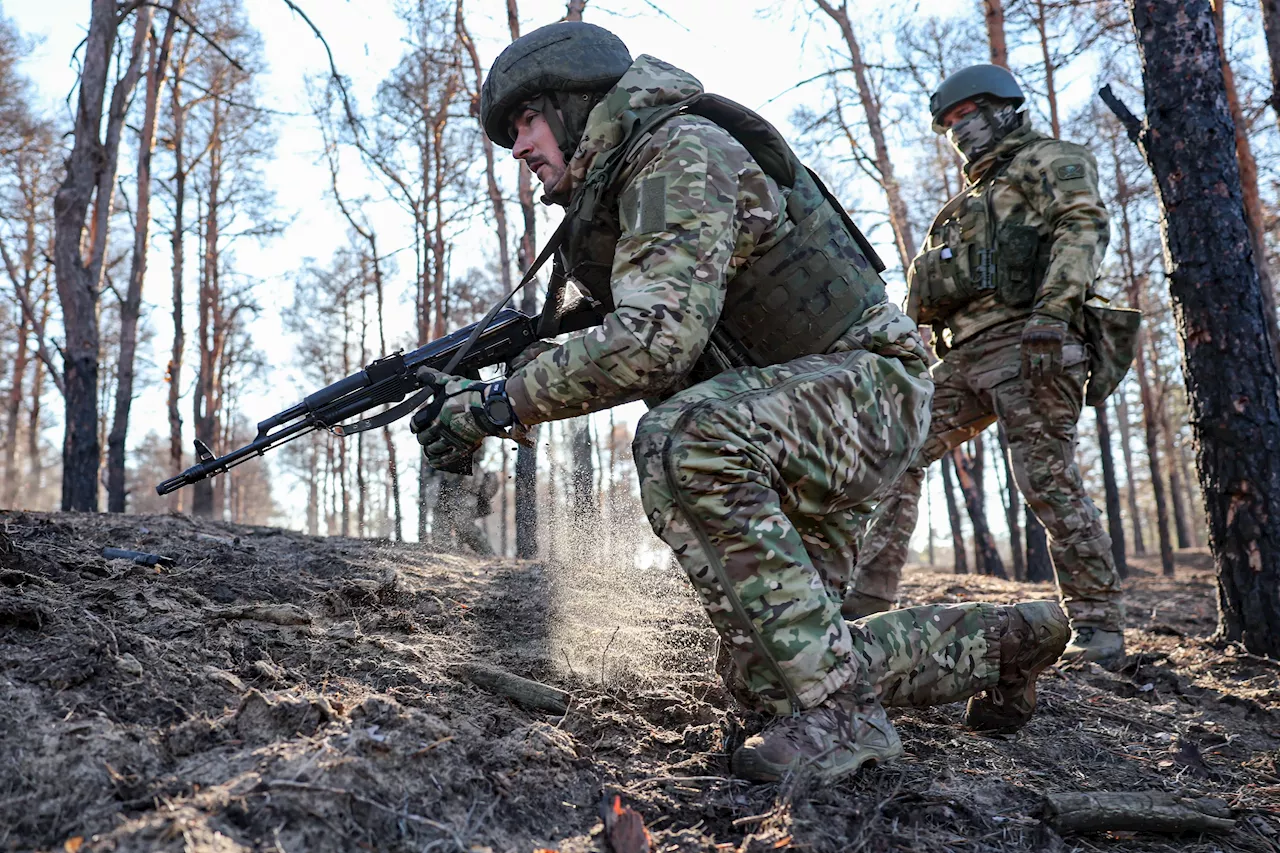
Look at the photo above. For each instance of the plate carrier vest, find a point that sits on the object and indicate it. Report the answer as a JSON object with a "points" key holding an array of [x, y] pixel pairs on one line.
{"points": [[796, 299]]}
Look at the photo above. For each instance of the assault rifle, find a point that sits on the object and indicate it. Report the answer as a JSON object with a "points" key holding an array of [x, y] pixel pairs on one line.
{"points": [[498, 338]]}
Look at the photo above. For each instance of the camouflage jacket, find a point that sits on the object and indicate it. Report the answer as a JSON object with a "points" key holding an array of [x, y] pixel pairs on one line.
{"points": [[675, 259], [1029, 180]]}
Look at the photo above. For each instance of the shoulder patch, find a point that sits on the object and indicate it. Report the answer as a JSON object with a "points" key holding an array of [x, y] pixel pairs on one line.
{"points": [[1069, 169]]}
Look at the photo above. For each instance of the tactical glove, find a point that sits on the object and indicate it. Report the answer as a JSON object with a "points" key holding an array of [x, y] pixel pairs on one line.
{"points": [[456, 422], [1042, 342]]}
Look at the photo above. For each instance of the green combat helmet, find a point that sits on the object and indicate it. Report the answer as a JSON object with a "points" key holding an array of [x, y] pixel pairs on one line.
{"points": [[561, 70], [973, 82]]}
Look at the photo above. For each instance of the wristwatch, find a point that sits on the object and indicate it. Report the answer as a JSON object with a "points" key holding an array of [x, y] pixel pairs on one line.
{"points": [[494, 414]]}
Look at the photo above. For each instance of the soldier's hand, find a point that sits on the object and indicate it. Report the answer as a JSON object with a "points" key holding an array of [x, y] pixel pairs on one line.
{"points": [[450, 439], [1042, 342], [529, 353]]}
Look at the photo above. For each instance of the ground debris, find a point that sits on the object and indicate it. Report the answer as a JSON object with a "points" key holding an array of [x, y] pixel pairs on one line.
{"points": [[274, 691]]}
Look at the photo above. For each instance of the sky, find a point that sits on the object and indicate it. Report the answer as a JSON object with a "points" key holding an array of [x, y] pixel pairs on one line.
{"points": [[756, 59]]}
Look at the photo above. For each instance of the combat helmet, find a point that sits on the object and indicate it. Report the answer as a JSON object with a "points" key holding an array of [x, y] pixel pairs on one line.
{"points": [[571, 63], [974, 81]]}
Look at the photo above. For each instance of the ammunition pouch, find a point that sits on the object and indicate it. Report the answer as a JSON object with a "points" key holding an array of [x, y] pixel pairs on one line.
{"points": [[1111, 335]]}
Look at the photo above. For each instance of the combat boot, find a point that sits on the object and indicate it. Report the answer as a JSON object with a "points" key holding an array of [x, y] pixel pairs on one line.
{"points": [[1031, 639], [858, 604], [834, 739], [1100, 645]]}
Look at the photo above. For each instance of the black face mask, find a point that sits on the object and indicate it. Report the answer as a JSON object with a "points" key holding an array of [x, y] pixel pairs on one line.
{"points": [[978, 133]]}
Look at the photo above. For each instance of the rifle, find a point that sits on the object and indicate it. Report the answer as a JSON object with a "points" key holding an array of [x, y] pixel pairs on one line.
{"points": [[498, 338]]}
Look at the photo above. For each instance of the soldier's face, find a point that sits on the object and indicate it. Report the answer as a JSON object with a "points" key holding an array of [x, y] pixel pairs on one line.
{"points": [[536, 146], [959, 111]]}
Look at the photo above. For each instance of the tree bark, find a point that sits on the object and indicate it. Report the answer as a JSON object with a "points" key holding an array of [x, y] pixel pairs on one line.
{"points": [[90, 171], [1114, 524], [1175, 479], [1253, 212], [898, 216], [993, 12], [961, 560], [1135, 517], [131, 308], [1213, 281]]}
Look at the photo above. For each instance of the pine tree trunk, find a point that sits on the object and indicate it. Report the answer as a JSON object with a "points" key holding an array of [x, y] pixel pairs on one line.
{"points": [[1135, 517], [993, 12], [131, 308], [78, 281], [1213, 281], [961, 560], [899, 219], [1114, 525]]}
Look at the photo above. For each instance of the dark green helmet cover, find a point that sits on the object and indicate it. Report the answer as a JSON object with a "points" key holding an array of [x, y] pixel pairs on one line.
{"points": [[972, 82], [566, 57]]}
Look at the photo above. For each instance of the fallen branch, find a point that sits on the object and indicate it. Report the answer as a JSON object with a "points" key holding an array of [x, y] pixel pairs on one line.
{"points": [[276, 614], [1136, 811], [531, 694]]}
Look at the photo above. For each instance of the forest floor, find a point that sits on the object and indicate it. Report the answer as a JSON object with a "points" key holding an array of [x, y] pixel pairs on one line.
{"points": [[271, 691]]}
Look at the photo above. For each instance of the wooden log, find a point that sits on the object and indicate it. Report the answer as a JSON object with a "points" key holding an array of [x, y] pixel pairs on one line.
{"points": [[1136, 811], [531, 694]]}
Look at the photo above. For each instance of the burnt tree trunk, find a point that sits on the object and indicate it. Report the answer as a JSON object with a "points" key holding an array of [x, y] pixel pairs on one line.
{"points": [[961, 560], [985, 553], [1253, 212], [1039, 563], [1114, 525], [1213, 282], [90, 178]]}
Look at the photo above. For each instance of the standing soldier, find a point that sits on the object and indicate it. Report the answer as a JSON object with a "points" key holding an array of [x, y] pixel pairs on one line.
{"points": [[1003, 277], [735, 296]]}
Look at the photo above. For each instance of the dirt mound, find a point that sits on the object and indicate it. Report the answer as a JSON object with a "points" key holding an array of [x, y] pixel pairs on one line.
{"points": [[269, 691]]}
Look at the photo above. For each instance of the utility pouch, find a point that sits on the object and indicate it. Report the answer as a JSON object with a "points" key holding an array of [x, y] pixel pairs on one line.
{"points": [[1018, 251], [1111, 335], [943, 284]]}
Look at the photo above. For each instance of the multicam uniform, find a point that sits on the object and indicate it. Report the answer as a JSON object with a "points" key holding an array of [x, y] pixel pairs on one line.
{"points": [[1025, 238], [759, 477]]}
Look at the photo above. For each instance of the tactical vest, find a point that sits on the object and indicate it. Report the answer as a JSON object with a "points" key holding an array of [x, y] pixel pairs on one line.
{"points": [[975, 255], [796, 299]]}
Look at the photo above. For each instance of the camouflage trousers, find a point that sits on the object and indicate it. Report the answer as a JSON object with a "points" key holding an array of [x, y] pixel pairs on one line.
{"points": [[977, 384], [759, 480]]}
